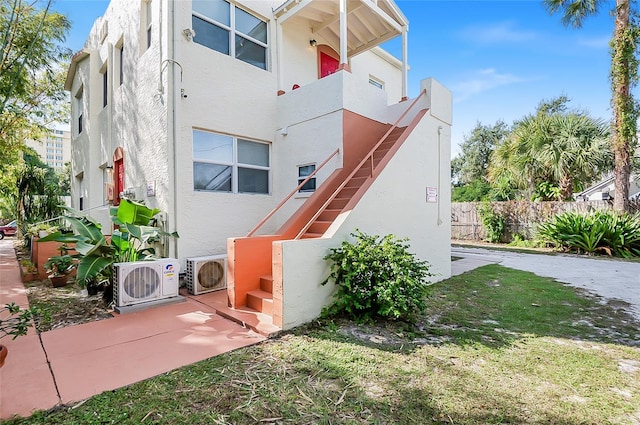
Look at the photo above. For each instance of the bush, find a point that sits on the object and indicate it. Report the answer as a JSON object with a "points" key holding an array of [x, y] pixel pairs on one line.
{"points": [[377, 276], [493, 223], [520, 240], [606, 232]]}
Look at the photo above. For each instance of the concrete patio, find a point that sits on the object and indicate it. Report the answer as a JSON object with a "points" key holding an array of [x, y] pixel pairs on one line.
{"points": [[67, 365]]}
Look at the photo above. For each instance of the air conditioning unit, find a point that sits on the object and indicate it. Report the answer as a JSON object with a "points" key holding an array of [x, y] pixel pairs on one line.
{"points": [[206, 274], [143, 281]]}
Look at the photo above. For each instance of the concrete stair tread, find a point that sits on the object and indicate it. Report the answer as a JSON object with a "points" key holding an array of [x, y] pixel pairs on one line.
{"points": [[245, 316], [260, 300], [259, 293]]}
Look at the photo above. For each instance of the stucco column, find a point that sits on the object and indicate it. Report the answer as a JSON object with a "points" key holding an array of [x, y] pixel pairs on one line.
{"points": [[405, 60], [343, 33]]}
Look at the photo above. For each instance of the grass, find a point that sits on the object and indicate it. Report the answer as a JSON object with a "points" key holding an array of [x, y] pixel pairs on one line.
{"points": [[496, 346]]}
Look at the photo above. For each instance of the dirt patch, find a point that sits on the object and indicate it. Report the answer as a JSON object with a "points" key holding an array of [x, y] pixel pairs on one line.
{"points": [[66, 306], [61, 307]]}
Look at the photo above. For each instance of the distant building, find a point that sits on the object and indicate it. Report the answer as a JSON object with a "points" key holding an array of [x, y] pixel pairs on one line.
{"points": [[55, 149]]}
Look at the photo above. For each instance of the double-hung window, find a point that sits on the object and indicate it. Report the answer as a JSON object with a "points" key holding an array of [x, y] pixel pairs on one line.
{"points": [[223, 163], [224, 27]]}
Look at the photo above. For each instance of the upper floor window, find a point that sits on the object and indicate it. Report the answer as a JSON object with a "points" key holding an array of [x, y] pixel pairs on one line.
{"points": [[147, 21], [376, 82], [105, 88], [223, 163], [79, 109], [226, 28], [119, 56]]}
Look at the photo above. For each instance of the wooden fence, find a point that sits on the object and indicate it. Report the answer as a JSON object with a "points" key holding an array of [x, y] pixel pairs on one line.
{"points": [[521, 217]]}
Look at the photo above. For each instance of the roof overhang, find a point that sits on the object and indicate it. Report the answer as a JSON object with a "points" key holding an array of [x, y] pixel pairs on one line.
{"points": [[71, 73], [369, 22]]}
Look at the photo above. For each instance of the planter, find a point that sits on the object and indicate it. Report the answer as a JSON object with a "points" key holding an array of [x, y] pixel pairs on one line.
{"points": [[3, 354], [58, 281], [28, 277]]}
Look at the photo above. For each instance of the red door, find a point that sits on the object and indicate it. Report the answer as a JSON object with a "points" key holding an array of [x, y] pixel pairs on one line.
{"points": [[118, 170], [328, 65]]}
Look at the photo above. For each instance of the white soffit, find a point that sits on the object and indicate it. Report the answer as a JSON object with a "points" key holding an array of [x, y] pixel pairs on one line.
{"points": [[369, 22]]}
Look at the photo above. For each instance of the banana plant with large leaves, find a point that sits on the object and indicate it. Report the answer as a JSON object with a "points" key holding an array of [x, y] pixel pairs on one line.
{"points": [[130, 241]]}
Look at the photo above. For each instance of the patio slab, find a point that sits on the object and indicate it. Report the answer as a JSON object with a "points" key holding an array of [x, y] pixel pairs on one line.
{"points": [[71, 364]]}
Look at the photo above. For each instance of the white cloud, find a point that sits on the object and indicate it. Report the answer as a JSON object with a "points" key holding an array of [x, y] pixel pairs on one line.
{"points": [[596, 42], [482, 81], [502, 32]]}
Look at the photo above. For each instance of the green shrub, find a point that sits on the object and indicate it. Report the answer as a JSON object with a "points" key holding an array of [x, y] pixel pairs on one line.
{"points": [[520, 240], [605, 232], [493, 223], [377, 276]]}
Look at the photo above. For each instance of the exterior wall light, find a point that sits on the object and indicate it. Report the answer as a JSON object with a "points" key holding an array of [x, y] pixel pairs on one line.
{"points": [[189, 33], [313, 43]]}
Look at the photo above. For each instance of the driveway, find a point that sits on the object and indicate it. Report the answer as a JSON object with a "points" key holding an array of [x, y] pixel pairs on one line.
{"points": [[609, 278]]}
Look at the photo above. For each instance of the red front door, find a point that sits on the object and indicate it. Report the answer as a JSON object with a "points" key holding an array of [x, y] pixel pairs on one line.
{"points": [[118, 169], [328, 65]]}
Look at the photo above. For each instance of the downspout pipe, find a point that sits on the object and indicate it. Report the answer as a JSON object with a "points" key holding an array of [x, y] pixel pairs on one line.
{"points": [[173, 132]]}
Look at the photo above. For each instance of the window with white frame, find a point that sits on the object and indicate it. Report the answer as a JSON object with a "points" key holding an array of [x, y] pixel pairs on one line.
{"points": [[79, 109], [376, 82], [223, 163], [305, 171], [120, 61], [224, 27]]}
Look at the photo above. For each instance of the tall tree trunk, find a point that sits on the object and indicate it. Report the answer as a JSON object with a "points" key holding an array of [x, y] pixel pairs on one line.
{"points": [[566, 187], [623, 131]]}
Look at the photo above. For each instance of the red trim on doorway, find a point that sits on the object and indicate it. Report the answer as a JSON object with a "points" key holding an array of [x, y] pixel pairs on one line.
{"points": [[328, 60], [118, 174]]}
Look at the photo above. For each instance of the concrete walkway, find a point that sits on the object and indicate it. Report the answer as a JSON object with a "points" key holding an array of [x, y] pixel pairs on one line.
{"points": [[609, 278], [71, 364]]}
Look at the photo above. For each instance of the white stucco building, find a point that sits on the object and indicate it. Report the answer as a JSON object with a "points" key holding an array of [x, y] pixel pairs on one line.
{"points": [[214, 111]]}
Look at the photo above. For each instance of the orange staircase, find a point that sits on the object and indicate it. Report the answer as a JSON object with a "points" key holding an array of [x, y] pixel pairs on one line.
{"points": [[352, 186], [250, 281], [262, 299]]}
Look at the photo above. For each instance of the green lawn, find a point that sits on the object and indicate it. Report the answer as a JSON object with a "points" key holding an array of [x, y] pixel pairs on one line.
{"points": [[496, 346]]}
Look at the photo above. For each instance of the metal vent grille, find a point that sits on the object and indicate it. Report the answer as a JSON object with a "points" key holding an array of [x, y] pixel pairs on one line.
{"points": [[206, 274], [141, 283]]}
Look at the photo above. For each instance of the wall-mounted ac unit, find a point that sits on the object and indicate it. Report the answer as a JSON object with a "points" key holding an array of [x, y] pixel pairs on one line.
{"points": [[206, 274], [143, 281]]}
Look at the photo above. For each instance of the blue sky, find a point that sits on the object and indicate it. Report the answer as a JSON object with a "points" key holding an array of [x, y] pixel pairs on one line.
{"points": [[499, 58]]}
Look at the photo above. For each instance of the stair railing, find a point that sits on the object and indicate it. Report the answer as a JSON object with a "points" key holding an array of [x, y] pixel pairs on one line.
{"points": [[368, 157], [293, 192]]}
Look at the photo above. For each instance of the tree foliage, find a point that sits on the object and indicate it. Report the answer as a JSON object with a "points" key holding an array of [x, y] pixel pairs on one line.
{"points": [[469, 169], [553, 152], [476, 149], [624, 75], [32, 72]]}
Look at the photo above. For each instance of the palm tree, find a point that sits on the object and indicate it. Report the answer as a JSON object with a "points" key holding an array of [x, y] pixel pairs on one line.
{"points": [[560, 149], [576, 150], [623, 71]]}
